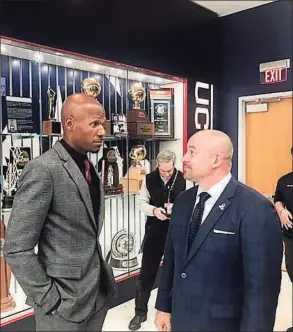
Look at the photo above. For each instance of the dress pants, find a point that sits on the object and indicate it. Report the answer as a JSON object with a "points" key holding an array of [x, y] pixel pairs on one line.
{"points": [[56, 322], [153, 250]]}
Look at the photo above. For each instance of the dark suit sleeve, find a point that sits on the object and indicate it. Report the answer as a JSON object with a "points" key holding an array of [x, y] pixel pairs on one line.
{"points": [[30, 208], [278, 194], [262, 250], [164, 299]]}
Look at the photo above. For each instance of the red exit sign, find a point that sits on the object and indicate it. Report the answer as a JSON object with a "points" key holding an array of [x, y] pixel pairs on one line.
{"points": [[274, 72]]}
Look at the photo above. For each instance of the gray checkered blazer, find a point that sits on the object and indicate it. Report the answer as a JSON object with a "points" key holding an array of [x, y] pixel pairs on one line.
{"points": [[53, 209]]}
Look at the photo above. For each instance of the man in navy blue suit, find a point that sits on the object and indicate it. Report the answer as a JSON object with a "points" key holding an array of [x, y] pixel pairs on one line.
{"points": [[223, 254]]}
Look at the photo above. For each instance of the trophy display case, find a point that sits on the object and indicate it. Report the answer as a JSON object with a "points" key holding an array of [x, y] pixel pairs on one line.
{"points": [[140, 107]]}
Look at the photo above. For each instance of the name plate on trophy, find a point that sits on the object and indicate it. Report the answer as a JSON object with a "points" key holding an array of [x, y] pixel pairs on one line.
{"points": [[162, 111]]}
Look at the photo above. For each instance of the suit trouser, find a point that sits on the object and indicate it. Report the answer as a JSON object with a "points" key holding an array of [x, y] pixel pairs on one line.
{"points": [[153, 250], [289, 256], [56, 322]]}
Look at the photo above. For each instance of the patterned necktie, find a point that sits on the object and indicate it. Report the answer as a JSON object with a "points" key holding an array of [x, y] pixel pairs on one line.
{"points": [[88, 176], [196, 217]]}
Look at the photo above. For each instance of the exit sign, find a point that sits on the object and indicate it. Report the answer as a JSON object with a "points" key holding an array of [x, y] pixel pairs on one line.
{"points": [[274, 72]]}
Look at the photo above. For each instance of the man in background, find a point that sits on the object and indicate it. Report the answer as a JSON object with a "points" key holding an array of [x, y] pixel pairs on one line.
{"points": [[222, 261], [59, 207], [284, 206], [158, 193]]}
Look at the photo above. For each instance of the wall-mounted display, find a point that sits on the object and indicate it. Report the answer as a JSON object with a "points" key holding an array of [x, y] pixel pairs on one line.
{"points": [[35, 81], [162, 111]]}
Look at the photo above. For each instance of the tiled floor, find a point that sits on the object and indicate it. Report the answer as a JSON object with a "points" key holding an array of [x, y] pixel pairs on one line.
{"points": [[119, 317]]}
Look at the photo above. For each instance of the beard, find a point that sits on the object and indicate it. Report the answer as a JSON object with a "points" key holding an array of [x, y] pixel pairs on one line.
{"points": [[188, 175]]}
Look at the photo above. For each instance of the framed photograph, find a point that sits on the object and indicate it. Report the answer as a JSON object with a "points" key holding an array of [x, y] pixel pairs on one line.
{"points": [[162, 111]]}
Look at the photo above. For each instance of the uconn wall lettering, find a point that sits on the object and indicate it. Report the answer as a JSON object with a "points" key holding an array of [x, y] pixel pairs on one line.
{"points": [[200, 107]]}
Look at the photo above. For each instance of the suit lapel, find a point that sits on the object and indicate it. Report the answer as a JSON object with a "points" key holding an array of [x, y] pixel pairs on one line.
{"points": [[218, 209], [76, 175]]}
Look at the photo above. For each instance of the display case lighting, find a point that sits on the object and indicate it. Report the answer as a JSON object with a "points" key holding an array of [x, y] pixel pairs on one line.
{"points": [[15, 63], [3, 49], [95, 66], [39, 57], [68, 61]]}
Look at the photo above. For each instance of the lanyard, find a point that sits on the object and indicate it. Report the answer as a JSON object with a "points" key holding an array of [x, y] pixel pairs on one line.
{"points": [[172, 185]]}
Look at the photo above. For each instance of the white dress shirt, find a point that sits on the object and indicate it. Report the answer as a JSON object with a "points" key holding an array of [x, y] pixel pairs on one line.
{"points": [[144, 199], [215, 192]]}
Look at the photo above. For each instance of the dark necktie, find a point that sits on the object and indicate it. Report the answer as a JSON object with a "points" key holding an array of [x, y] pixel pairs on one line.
{"points": [[196, 218], [88, 176]]}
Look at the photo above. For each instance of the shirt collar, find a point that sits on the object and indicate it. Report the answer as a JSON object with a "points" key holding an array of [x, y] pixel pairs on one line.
{"points": [[78, 157], [216, 190]]}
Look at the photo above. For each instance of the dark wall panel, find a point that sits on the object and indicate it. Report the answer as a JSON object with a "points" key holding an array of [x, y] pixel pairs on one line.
{"points": [[249, 38]]}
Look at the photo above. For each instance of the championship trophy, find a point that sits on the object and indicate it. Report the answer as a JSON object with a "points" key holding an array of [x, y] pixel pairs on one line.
{"points": [[138, 123], [123, 251], [7, 302], [90, 86], [51, 126], [110, 174], [136, 173], [17, 160]]}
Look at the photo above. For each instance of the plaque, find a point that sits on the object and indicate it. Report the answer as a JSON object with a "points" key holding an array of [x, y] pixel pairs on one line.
{"points": [[138, 123], [19, 157], [110, 173], [162, 112], [136, 173], [7, 302], [51, 126], [119, 125], [122, 255]]}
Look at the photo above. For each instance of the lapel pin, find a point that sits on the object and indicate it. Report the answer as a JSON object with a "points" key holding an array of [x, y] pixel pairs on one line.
{"points": [[222, 206]]}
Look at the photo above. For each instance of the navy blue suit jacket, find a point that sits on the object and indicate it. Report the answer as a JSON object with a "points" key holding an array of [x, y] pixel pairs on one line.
{"points": [[230, 280]]}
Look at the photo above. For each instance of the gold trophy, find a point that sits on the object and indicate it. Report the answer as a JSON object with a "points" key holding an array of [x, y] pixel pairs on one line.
{"points": [[136, 173], [138, 123], [51, 126], [90, 86], [7, 302]]}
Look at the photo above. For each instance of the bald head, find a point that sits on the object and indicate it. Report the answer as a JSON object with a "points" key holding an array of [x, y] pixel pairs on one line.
{"points": [[78, 105], [82, 119], [214, 141], [209, 156]]}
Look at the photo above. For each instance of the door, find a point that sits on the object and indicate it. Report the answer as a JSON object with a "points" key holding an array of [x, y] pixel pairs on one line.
{"points": [[268, 146]]}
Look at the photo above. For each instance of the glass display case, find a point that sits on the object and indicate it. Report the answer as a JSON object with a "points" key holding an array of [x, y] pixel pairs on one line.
{"points": [[144, 112]]}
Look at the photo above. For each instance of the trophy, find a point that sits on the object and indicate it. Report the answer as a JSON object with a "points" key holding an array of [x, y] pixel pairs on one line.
{"points": [[138, 123], [7, 302], [90, 86], [51, 126], [18, 159], [136, 173], [110, 174], [123, 251]]}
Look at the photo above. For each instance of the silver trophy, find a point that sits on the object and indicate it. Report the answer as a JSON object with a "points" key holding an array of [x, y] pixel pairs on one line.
{"points": [[123, 251], [19, 157]]}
